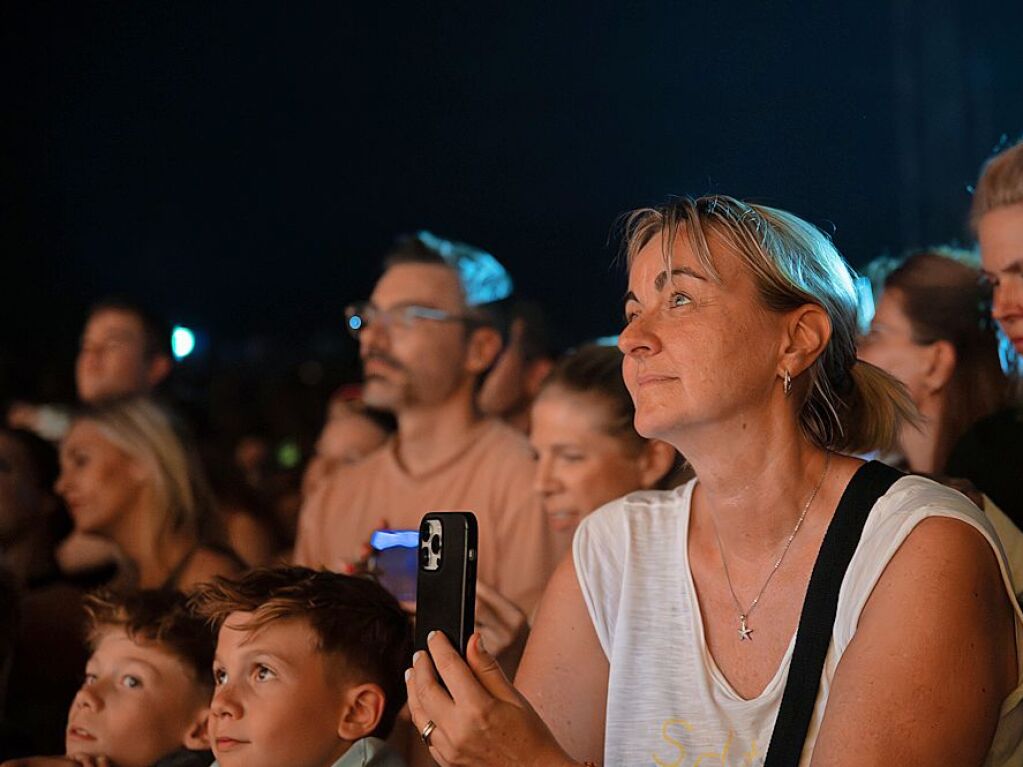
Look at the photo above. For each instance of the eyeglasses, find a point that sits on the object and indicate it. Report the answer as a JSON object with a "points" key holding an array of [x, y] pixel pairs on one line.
{"points": [[363, 313]]}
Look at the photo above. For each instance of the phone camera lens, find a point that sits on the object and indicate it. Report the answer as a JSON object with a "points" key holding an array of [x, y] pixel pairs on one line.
{"points": [[435, 544]]}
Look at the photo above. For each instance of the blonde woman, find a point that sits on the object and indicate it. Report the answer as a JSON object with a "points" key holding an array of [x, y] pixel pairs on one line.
{"points": [[127, 476], [668, 635]]}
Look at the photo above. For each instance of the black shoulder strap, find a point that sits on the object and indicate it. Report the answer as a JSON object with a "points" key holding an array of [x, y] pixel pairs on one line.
{"points": [[817, 621]]}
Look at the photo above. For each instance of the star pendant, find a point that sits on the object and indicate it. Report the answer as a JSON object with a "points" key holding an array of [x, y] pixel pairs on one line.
{"points": [[744, 631]]}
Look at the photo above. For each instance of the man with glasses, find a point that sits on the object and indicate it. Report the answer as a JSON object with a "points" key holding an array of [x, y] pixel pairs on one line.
{"points": [[425, 339]]}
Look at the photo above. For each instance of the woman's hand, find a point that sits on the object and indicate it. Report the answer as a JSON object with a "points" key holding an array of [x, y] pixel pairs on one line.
{"points": [[502, 625], [481, 719]]}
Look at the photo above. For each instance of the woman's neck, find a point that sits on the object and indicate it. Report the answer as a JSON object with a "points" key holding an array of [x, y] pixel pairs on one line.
{"points": [[152, 558], [754, 480], [920, 443]]}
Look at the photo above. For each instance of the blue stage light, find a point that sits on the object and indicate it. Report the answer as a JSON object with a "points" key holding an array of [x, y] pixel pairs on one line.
{"points": [[182, 342], [355, 322]]}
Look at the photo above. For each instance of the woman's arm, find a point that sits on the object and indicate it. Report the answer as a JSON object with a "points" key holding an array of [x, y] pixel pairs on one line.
{"points": [[564, 671], [932, 659]]}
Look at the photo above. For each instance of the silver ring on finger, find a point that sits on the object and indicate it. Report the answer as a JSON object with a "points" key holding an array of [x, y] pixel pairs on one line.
{"points": [[427, 732]]}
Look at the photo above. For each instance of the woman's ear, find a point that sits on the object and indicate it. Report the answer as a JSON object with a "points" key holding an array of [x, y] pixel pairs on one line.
{"points": [[655, 462], [941, 365], [197, 737], [361, 710], [484, 346], [807, 333]]}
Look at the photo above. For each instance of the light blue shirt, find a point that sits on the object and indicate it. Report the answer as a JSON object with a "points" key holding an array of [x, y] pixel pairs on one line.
{"points": [[366, 752]]}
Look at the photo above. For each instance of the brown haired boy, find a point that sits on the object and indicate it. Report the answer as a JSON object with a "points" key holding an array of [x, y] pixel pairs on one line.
{"points": [[147, 687], [308, 671]]}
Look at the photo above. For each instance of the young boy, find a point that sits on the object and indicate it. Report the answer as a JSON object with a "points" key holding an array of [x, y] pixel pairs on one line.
{"points": [[146, 693], [308, 670]]}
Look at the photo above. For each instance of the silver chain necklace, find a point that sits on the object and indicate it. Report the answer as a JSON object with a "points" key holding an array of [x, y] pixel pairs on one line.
{"points": [[745, 632]]}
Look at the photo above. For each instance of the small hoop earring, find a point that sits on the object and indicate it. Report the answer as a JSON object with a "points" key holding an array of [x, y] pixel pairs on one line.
{"points": [[786, 383]]}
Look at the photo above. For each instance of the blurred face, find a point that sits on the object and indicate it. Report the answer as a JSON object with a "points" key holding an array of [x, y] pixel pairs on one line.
{"points": [[890, 345], [138, 703], [100, 482], [697, 353], [276, 699], [20, 499], [1000, 232], [112, 360], [422, 364], [580, 467], [346, 438]]}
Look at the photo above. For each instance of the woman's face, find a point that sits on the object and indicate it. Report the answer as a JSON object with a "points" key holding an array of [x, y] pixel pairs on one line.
{"points": [[580, 467], [889, 344], [698, 354], [98, 480]]}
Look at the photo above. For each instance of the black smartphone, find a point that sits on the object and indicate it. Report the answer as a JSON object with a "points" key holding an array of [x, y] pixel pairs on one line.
{"points": [[446, 585], [394, 561]]}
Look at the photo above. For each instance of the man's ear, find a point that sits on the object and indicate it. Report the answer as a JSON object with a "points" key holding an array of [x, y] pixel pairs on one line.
{"points": [[159, 368], [941, 365], [361, 710], [484, 346], [807, 333], [197, 737], [655, 462]]}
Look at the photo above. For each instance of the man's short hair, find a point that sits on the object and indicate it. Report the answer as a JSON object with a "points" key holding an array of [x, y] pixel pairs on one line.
{"points": [[1000, 183], [353, 617], [159, 616], [482, 278], [155, 330]]}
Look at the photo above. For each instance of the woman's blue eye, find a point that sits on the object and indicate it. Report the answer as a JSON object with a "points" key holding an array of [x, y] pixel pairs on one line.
{"points": [[89, 679], [679, 299]]}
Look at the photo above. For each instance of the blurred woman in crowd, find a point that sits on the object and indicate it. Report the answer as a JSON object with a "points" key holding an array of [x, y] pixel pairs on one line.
{"points": [[932, 329], [127, 475], [668, 635], [587, 449]]}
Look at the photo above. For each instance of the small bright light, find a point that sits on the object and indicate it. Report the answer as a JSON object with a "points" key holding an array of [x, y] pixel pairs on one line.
{"points": [[182, 342], [607, 341], [355, 322]]}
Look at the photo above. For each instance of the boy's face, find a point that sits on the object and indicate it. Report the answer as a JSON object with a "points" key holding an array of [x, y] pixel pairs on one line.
{"points": [[278, 699], [137, 704]]}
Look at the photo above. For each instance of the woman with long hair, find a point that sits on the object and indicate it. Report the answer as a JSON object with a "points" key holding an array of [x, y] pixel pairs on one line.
{"points": [[127, 475]]}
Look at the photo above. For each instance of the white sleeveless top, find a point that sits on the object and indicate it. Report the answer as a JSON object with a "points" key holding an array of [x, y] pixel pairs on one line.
{"points": [[668, 704]]}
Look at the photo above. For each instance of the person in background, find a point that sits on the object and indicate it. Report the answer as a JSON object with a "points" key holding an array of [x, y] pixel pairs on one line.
{"points": [[514, 380], [425, 339], [125, 351], [145, 697], [351, 432], [127, 476], [933, 331]]}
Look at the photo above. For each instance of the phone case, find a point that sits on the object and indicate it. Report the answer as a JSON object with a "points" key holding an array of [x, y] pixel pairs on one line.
{"points": [[446, 585]]}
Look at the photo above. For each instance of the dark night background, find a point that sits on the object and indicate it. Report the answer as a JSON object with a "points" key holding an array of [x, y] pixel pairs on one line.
{"points": [[241, 166]]}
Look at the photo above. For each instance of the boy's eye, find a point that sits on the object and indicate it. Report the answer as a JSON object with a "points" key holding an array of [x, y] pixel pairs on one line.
{"points": [[219, 676], [264, 673], [131, 681]]}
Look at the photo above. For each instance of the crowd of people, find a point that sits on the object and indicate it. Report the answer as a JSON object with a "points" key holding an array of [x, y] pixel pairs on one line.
{"points": [[659, 522]]}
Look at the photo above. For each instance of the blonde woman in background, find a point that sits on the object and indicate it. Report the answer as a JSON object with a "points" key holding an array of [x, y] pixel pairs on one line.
{"points": [[127, 476]]}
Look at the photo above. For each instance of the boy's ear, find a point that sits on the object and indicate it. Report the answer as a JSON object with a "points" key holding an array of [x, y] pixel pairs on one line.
{"points": [[361, 709], [197, 737]]}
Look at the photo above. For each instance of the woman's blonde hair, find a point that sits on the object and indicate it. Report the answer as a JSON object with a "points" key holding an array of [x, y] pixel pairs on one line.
{"points": [[1000, 183], [846, 404], [181, 498]]}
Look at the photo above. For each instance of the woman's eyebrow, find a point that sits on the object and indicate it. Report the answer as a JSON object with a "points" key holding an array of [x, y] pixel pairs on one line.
{"points": [[662, 278]]}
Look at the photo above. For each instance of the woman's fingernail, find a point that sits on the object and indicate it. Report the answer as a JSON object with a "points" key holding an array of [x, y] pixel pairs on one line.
{"points": [[416, 656], [408, 674], [431, 635]]}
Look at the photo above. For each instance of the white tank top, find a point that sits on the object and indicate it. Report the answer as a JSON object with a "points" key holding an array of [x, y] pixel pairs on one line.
{"points": [[668, 704]]}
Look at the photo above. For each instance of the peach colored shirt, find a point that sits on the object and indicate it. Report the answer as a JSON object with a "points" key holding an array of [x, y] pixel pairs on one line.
{"points": [[492, 476]]}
